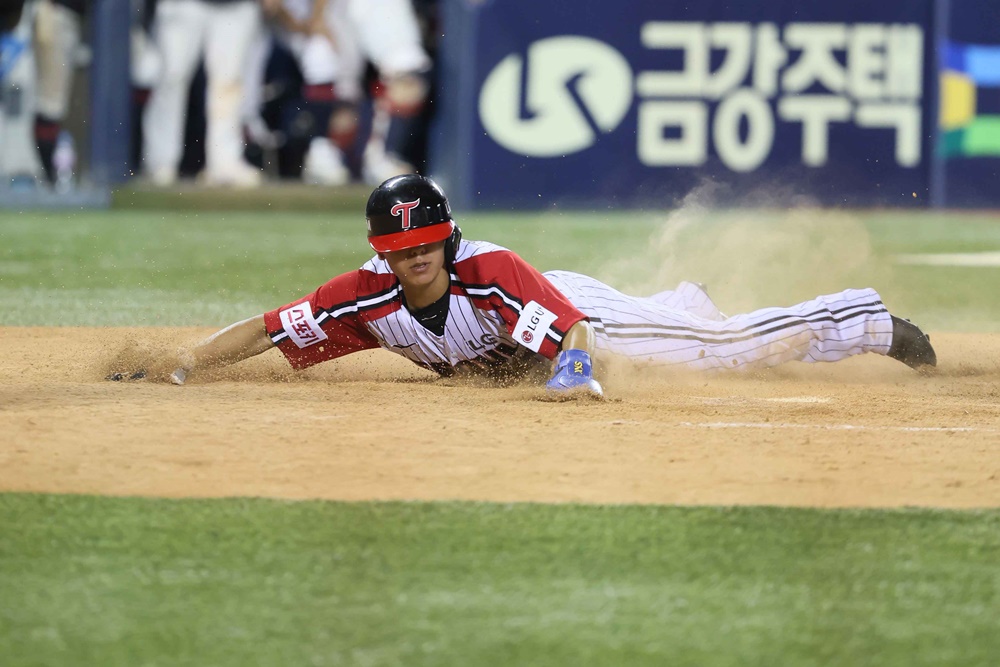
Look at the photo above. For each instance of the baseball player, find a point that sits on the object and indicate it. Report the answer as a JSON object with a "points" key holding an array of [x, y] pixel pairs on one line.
{"points": [[455, 306]]}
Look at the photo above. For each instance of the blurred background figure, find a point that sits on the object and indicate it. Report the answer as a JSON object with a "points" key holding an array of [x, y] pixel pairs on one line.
{"points": [[221, 31], [388, 34], [313, 35], [19, 165], [364, 72], [57, 37]]}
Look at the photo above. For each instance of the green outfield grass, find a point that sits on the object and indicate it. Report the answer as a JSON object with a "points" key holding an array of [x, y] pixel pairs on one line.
{"points": [[107, 582], [145, 267]]}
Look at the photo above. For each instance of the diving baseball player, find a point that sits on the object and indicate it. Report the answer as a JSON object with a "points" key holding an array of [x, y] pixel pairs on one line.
{"points": [[455, 306]]}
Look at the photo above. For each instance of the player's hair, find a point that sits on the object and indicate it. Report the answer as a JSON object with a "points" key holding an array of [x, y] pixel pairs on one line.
{"points": [[408, 211]]}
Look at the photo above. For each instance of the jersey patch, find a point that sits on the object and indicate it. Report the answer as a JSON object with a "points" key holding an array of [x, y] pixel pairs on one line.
{"points": [[301, 326], [533, 324]]}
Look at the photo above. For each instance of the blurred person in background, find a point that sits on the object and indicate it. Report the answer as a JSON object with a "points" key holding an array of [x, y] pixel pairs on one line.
{"points": [[333, 42], [388, 35], [311, 33], [57, 37], [19, 164], [184, 31]]}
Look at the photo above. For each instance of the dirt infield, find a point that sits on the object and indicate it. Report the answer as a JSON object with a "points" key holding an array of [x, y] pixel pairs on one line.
{"points": [[864, 432]]}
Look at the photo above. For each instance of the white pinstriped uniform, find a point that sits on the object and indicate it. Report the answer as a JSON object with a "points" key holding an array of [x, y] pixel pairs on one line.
{"points": [[684, 327]]}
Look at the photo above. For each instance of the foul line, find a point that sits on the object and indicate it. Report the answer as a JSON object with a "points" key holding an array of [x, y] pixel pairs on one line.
{"points": [[987, 259], [840, 427]]}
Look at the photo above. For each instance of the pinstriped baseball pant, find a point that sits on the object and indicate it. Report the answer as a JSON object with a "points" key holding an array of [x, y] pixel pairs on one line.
{"points": [[684, 328]]}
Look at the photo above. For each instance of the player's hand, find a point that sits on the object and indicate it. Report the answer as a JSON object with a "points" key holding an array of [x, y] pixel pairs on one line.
{"points": [[177, 376], [574, 374], [127, 376], [173, 368]]}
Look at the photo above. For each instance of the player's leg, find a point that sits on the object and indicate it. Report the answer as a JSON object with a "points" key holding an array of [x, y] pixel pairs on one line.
{"points": [[254, 126], [179, 33], [389, 35], [319, 64], [344, 121], [58, 28], [692, 297], [19, 164], [828, 328], [232, 29]]}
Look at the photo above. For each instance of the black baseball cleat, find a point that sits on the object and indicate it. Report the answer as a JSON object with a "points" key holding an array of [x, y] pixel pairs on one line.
{"points": [[911, 345]]}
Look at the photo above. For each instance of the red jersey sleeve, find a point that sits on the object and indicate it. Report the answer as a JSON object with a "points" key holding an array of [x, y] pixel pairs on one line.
{"points": [[321, 326], [537, 315]]}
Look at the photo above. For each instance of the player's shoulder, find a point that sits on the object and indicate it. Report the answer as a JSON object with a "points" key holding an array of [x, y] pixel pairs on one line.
{"points": [[374, 277], [482, 262], [469, 249]]}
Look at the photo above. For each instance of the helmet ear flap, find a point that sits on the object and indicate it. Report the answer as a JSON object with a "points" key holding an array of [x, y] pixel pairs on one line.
{"points": [[451, 245]]}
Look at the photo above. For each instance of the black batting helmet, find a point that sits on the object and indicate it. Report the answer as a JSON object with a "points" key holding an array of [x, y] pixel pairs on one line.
{"points": [[408, 211]]}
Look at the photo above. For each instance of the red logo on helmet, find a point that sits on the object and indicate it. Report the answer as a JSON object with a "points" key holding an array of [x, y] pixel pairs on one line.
{"points": [[404, 208], [527, 337]]}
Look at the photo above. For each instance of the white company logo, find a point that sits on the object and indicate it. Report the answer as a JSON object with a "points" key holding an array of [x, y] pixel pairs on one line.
{"points": [[533, 324], [575, 88], [818, 76]]}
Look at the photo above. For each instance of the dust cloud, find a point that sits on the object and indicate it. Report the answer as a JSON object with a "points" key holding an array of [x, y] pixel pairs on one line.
{"points": [[756, 258]]}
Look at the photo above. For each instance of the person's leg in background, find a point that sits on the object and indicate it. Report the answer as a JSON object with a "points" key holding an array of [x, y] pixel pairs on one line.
{"points": [[19, 163], [389, 35], [262, 141], [58, 27], [232, 29], [179, 29], [319, 65]]}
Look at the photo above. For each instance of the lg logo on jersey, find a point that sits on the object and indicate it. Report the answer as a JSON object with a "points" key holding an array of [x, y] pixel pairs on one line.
{"points": [[404, 208], [535, 321], [487, 340]]}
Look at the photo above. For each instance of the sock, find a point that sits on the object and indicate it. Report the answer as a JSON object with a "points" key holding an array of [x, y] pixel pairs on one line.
{"points": [[46, 134]]}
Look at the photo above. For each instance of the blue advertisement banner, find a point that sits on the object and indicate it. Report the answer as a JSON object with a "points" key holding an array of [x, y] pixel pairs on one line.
{"points": [[556, 103], [969, 136]]}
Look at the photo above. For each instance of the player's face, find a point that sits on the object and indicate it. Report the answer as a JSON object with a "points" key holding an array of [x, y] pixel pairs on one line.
{"points": [[418, 267]]}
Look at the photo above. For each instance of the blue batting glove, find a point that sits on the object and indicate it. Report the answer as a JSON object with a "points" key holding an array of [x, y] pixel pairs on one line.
{"points": [[574, 372]]}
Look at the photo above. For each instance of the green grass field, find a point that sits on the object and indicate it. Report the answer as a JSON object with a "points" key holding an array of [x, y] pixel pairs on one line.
{"points": [[254, 582], [210, 268], [104, 582]]}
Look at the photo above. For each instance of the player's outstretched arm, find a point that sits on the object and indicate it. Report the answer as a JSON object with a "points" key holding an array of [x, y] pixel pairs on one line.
{"points": [[574, 370], [234, 343]]}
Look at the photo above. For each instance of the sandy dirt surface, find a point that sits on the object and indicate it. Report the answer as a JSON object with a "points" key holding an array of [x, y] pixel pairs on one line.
{"points": [[864, 432]]}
